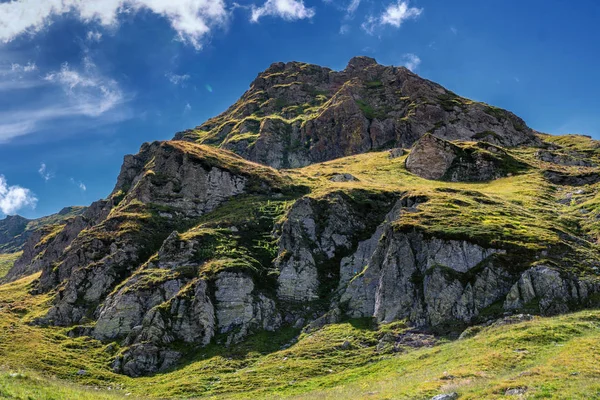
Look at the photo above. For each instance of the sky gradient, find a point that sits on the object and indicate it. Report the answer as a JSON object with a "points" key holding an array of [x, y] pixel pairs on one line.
{"points": [[83, 85]]}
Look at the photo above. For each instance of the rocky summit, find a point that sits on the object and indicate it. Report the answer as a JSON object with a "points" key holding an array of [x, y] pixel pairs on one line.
{"points": [[322, 197]]}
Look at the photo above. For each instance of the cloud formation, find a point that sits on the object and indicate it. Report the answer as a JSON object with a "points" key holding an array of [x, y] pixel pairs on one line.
{"points": [[192, 20], [177, 79], [394, 15], [411, 61], [70, 92], [14, 198], [43, 171], [91, 94], [288, 10]]}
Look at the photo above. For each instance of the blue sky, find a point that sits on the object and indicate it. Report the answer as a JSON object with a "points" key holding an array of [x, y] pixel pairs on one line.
{"points": [[84, 83]]}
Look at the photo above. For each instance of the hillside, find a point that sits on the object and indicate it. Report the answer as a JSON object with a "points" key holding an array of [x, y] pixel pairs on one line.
{"points": [[15, 230], [217, 268]]}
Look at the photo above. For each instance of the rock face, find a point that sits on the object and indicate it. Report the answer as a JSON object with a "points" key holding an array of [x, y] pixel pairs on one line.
{"points": [[297, 114], [162, 187], [429, 281], [315, 235], [545, 290], [436, 159]]}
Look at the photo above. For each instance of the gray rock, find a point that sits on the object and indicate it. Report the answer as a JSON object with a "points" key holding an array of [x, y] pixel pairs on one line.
{"points": [[447, 396], [436, 159], [546, 291], [345, 177]]}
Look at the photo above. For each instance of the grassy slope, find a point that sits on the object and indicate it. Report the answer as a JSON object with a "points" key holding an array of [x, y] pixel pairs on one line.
{"points": [[7, 261], [552, 357]]}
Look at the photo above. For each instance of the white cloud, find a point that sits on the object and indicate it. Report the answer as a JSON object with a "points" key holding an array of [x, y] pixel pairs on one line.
{"points": [[14, 198], [29, 67], [187, 107], [79, 184], [11, 130], [352, 6], [288, 10], [411, 61], [177, 79], [43, 171], [71, 92], [344, 29], [91, 94], [394, 15], [192, 20], [94, 36]]}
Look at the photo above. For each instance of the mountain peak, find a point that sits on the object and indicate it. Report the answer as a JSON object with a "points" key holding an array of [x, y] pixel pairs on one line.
{"points": [[360, 62], [296, 114]]}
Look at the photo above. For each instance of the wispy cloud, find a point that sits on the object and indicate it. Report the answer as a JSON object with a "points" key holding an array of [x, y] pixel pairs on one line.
{"points": [[14, 198], [177, 79], [192, 20], [352, 6], [71, 92], [79, 184], [411, 61], [90, 93], [394, 15], [288, 10], [43, 171], [94, 36], [187, 107], [29, 67]]}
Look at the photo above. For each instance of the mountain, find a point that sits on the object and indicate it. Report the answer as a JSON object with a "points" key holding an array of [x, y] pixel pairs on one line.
{"points": [[290, 221], [14, 230], [296, 114]]}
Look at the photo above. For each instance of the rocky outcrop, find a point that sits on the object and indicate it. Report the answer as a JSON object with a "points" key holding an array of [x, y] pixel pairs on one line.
{"points": [[182, 310], [159, 189], [315, 235], [571, 159], [296, 114], [436, 159], [565, 179], [431, 158], [429, 281], [545, 290]]}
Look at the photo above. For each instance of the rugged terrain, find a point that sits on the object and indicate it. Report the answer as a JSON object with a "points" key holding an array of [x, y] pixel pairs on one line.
{"points": [[363, 217]]}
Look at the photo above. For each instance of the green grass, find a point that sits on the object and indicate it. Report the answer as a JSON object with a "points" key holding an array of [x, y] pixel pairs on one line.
{"points": [[7, 261], [555, 357]]}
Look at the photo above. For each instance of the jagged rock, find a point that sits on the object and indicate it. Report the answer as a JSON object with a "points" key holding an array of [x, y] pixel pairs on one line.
{"points": [[560, 178], [431, 157], [437, 159], [319, 231], [547, 291], [329, 114], [423, 280], [188, 179], [568, 159]]}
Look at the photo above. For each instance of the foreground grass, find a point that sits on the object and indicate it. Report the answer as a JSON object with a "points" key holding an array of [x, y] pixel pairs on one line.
{"points": [[555, 357]]}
